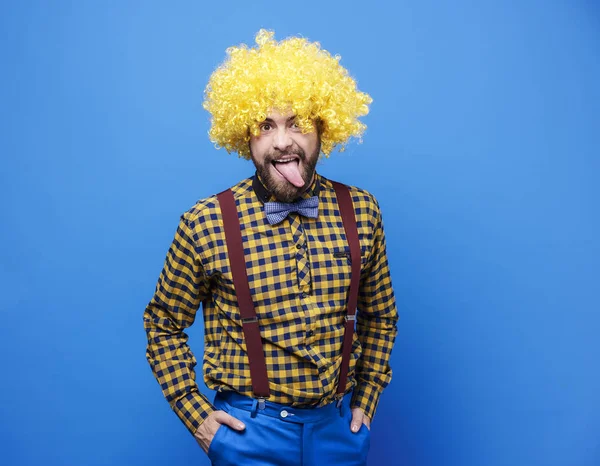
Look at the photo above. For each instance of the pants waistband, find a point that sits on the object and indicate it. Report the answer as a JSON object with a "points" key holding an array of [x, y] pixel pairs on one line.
{"points": [[281, 411]]}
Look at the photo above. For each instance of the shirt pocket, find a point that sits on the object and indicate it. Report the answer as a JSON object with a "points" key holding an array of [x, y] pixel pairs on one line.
{"points": [[331, 269], [342, 257]]}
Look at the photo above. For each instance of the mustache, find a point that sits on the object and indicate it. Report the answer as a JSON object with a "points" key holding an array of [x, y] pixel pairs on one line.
{"points": [[274, 155]]}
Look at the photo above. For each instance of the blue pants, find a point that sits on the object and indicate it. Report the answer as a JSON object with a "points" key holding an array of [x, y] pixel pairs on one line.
{"points": [[281, 435]]}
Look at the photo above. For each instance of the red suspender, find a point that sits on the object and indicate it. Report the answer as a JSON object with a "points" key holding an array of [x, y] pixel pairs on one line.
{"points": [[235, 252], [348, 218]]}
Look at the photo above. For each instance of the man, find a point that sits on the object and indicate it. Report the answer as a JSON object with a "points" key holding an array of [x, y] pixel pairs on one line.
{"points": [[280, 262]]}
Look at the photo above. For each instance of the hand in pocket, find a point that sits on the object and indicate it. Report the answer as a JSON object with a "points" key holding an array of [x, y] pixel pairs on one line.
{"points": [[208, 429]]}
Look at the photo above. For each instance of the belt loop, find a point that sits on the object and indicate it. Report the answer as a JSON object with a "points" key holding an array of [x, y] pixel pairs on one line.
{"points": [[257, 403], [340, 405]]}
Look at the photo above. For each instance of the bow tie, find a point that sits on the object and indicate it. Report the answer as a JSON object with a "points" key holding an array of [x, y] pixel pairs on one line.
{"points": [[278, 211]]}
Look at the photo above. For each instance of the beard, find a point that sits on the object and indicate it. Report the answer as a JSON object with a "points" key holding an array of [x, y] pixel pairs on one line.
{"points": [[285, 191]]}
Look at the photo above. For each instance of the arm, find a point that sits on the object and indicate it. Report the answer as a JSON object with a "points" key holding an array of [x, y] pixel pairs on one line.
{"points": [[375, 324], [181, 286]]}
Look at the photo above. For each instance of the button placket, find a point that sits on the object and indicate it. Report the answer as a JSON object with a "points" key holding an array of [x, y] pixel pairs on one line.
{"points": [[302, 264], [304, 273]]}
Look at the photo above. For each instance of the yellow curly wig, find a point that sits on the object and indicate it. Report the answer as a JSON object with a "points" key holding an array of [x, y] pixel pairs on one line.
{"points": [[292, 74]]}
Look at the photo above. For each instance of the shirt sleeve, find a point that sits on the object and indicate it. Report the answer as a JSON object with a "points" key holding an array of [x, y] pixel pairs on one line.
{"points": [[181, 287], [375, 324]]}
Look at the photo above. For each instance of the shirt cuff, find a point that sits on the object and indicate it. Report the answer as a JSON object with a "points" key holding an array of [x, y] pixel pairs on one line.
{"points": [[193, 409], [366, 397]]}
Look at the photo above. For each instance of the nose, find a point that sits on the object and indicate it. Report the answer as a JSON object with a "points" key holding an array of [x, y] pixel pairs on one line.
{"points": [[282, 139]]}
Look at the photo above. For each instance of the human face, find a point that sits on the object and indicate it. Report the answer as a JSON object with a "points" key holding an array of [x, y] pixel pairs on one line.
{"points": [[285, 158]]}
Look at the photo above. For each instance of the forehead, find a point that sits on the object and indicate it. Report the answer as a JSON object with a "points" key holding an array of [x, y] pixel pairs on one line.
{"points": [[280, 115]]}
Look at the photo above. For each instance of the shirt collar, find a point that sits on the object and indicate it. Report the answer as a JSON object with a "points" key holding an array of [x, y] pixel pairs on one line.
{"points": [[264, 195]]}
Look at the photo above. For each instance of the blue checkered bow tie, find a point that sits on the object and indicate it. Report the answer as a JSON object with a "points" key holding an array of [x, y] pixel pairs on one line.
{"points": [[278, 211]]}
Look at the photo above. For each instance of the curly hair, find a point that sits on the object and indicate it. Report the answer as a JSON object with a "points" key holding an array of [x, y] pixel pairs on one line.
{"points": [[293, 74]]}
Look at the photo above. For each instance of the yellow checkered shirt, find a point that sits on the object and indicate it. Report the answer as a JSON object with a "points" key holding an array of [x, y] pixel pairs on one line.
{"points": [[299, 275]]}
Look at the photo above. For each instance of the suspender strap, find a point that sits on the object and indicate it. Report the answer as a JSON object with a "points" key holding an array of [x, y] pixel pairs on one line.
{"points": [[348, 218], [237, 262]]}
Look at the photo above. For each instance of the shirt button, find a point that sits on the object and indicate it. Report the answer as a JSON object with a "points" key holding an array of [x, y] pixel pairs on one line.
{"points": [[303, 295], [298, 246], [283, 413], [310, 333]]}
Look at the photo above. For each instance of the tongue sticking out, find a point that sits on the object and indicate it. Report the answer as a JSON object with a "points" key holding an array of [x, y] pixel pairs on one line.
{"points": [[290, 171]]}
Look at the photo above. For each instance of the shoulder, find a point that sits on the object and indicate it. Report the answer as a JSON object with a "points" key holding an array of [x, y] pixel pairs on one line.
{"points": [[206, 211], [365, 203]]}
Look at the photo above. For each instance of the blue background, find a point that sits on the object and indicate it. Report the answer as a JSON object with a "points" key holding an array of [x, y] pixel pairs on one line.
{"points": [[482, 148]]}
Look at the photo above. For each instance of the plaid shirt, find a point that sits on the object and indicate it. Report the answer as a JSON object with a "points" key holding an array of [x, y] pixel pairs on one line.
{"points": [[299, 275]]}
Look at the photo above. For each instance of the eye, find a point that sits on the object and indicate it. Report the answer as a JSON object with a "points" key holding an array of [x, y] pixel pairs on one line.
{"points": [[294, 125], [265, 127]]}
